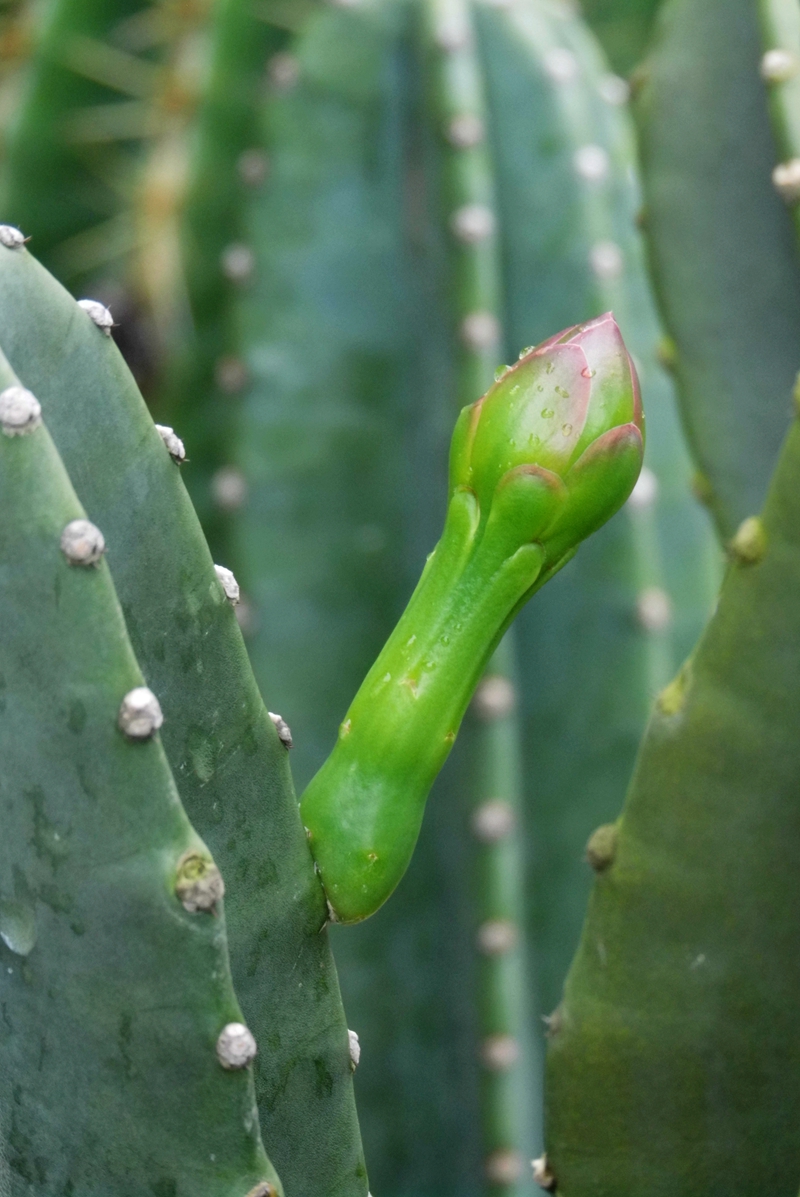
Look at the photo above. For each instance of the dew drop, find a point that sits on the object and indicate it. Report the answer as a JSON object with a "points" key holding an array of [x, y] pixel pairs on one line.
{"points": [[444, 639], [17, 926], [387, 677], [547, 413], [500, 372], [411, 641], [549, 368], [566, 429], [564, 394], [540, 388], [586, 372], [514, 389], [528, 349]]}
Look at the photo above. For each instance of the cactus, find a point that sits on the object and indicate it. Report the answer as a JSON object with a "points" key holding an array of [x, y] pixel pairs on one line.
{"points": [[675, 1038], [228, 762], [323, 452], [724, 272], [118, 1006]]}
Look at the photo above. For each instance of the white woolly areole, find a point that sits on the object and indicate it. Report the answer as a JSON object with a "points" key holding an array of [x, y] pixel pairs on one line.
{"points": [[140, 714], [82, 543], [592, 163], [786, 177], [542, 1175], [480, 330], [238, 262], [228, 583], [504, 1167], [283, 71], [561, 65], [654, 609], [355, 1049], [20, 411], [10, 237], [236, 1047], [496, 937], [606, 260], [645, 492], [174, 443], [472, 223], [494, 698], [282, 728], [452, 33], [492, 821], [499, 1052], [778, 65], [465, 131], [229, 488], [99, 313], [614, 90]]}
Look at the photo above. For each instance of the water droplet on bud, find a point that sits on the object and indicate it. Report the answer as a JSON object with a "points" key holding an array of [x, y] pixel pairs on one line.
{"points": [[566, 429], [547, 413], [588, 372], [500, 372]]}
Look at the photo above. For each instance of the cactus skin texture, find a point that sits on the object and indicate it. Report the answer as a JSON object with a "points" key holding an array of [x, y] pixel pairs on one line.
{"points": [[674, 1062], [539, 463], [113, 993], [230, 768], [723, 259]]}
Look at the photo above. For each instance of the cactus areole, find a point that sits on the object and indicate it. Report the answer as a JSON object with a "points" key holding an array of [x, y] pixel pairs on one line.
{"points": [[541, 461]]}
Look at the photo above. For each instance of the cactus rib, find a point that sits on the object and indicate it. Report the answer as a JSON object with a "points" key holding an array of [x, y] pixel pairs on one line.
{"points": [[678, 1028], [229, 765], [115, 988]]}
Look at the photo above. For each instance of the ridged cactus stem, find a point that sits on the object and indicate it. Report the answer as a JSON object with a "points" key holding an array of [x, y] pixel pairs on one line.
{"points": [[460, 126], [780, 70]]}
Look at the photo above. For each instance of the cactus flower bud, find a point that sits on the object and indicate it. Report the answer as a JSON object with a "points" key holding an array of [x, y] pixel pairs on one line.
{"points": [[548, 454]]}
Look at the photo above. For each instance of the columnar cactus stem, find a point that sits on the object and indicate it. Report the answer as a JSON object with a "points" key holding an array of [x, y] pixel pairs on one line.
{"points": [[115, 984], [679, 1027], [510, 1081], [725, 272], [780, 70], [228, 761]]}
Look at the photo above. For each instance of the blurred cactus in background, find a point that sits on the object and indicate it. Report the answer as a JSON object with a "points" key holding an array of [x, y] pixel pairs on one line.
{"points": [[317, 230]]}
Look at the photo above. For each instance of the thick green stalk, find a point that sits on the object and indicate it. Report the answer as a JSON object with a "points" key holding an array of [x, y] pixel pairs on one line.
{"points": [[674, 1063], [118, 1063], [230, 767], [723, 258]]}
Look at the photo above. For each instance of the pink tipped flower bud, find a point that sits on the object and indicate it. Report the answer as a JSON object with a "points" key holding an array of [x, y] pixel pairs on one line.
{"points": [[554, 448]]}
